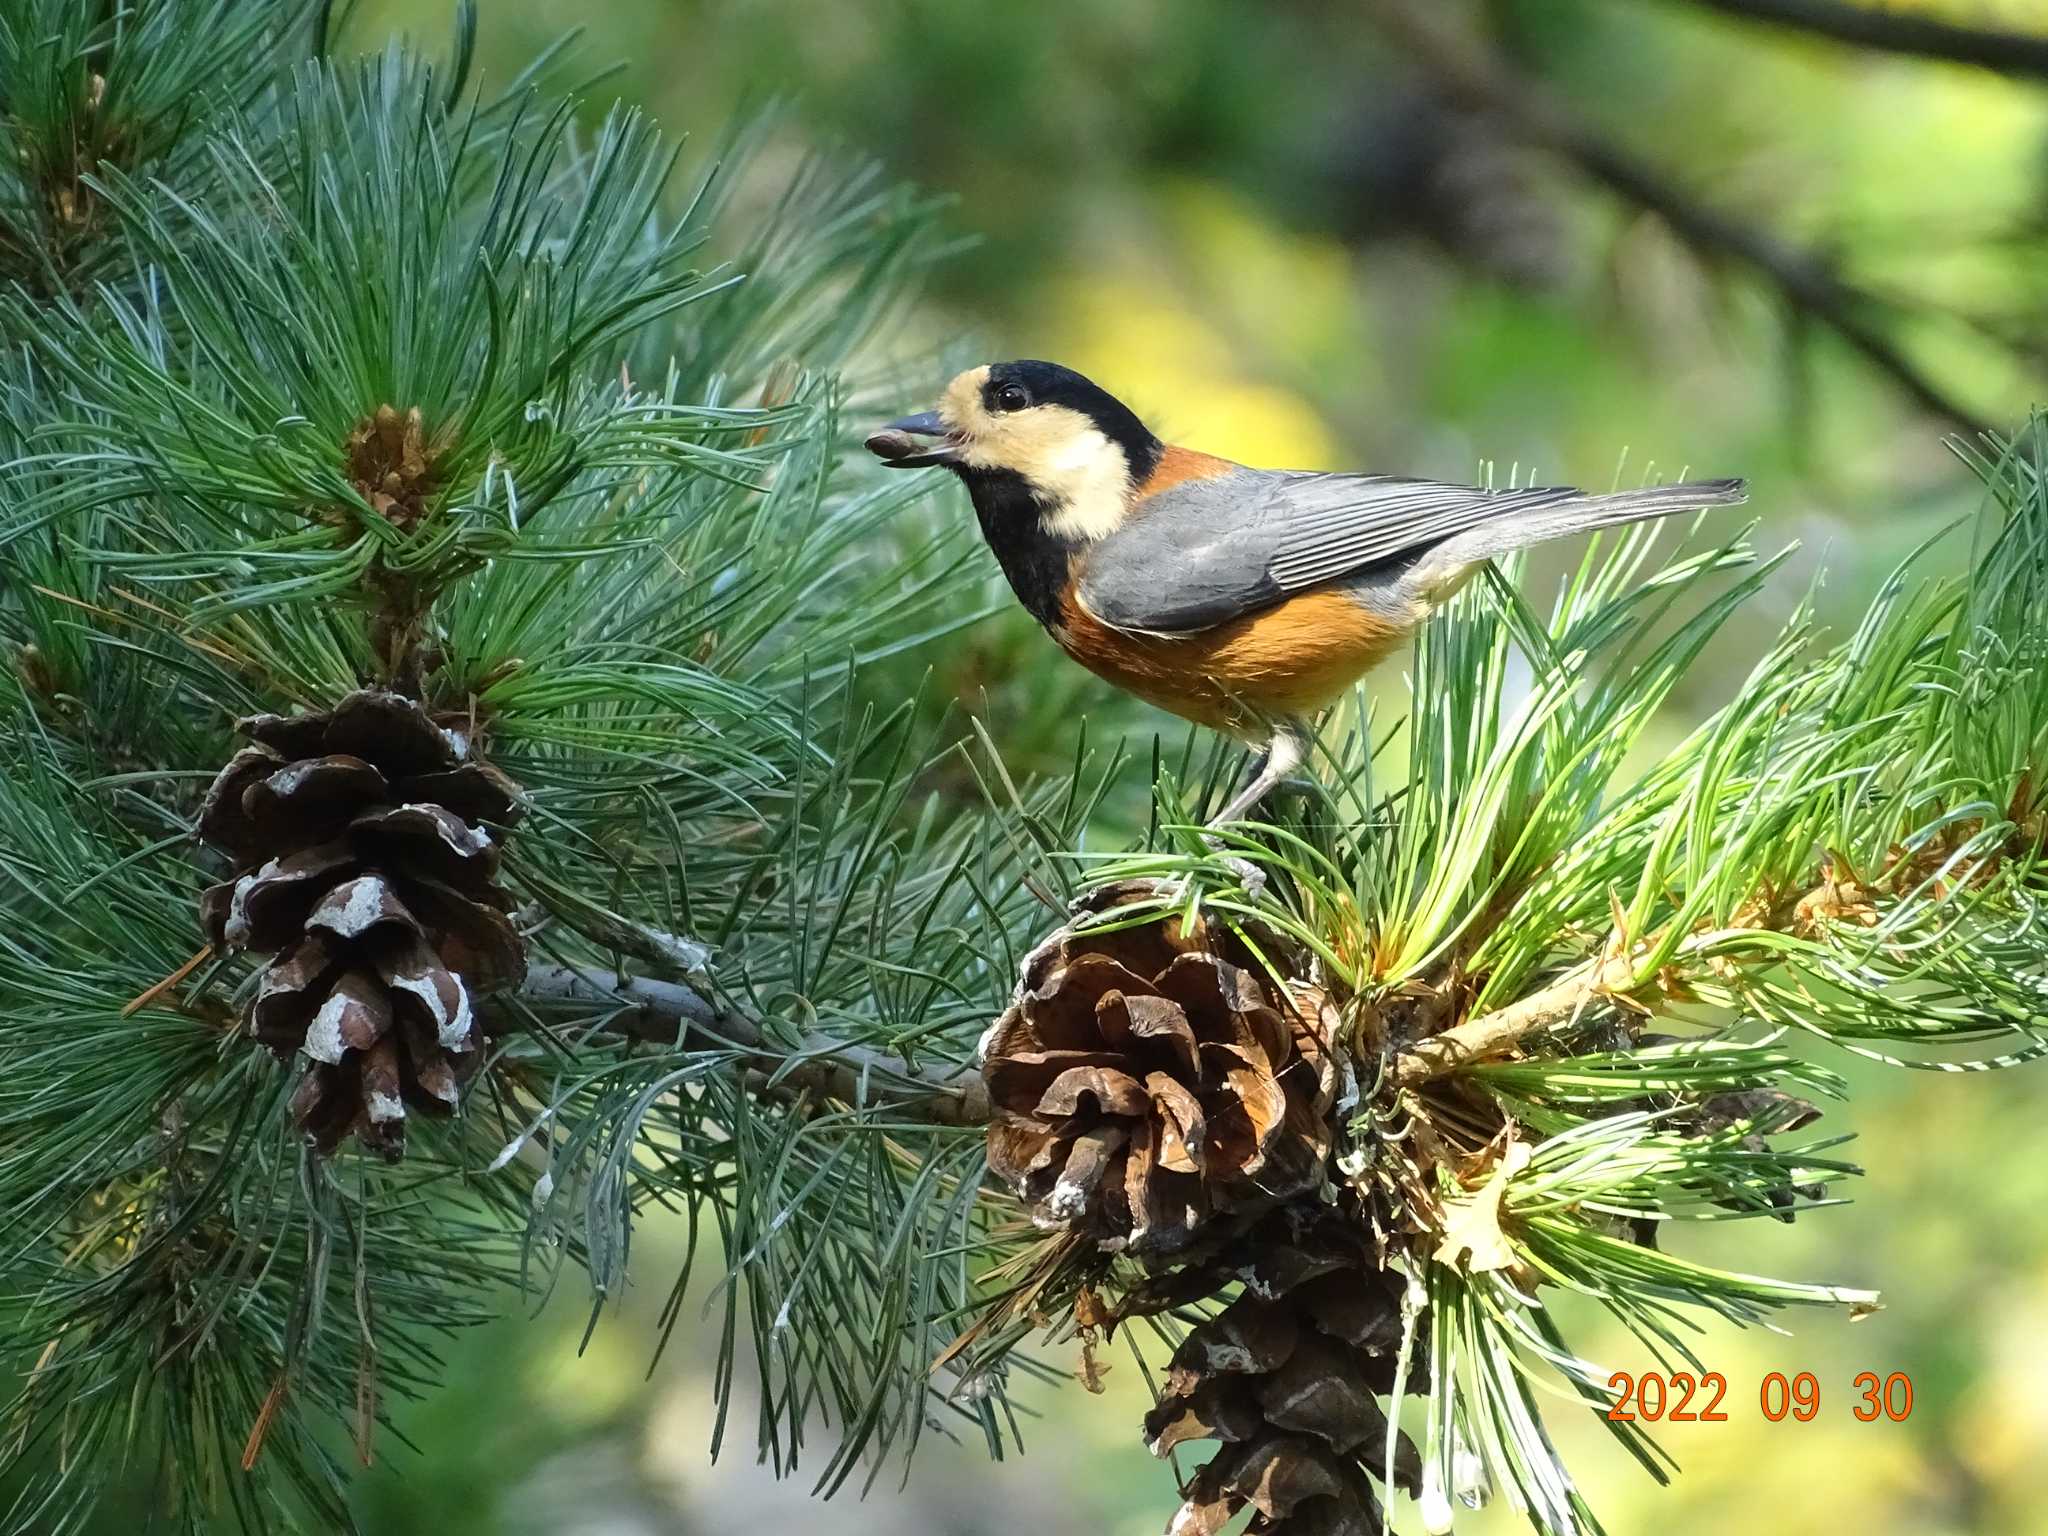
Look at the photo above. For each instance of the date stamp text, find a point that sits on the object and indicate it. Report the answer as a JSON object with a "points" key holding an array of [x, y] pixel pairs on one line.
{"points": [[1681, 1397]]}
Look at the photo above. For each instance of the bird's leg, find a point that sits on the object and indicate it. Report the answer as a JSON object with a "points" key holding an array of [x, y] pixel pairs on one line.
{"points": [[1287, 751]]}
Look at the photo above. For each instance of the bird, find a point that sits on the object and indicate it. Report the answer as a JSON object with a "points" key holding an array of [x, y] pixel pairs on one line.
{"points": [[1244, 599]]}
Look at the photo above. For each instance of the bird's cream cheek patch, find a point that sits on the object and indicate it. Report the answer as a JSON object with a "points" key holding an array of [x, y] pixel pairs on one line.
{"points": [[1090, 484], [960, 406]]}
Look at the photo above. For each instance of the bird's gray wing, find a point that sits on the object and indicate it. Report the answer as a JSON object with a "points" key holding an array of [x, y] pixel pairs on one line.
{"points": [[1205, 552]]}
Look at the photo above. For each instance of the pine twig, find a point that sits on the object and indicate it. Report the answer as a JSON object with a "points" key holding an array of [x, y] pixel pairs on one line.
{"points": [[1465, 70], [672, 1012], [2017, 55], [1495, 1033]]}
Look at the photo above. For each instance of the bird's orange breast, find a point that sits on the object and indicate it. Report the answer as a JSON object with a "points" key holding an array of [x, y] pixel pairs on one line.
{"points": [[1291, 659]]}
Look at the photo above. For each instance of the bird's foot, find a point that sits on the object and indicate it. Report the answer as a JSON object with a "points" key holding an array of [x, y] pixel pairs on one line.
{"points": [[1249, 875]]}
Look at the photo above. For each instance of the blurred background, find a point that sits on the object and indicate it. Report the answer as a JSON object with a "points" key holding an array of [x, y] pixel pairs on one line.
{"points": [[1587, 239]]}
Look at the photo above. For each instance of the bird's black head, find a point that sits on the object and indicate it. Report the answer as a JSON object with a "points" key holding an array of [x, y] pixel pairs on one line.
{"points": [[1073, 450]]}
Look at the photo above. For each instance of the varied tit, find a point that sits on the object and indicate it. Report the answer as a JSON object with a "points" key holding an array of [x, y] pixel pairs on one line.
{"points": [[1245, 599]]}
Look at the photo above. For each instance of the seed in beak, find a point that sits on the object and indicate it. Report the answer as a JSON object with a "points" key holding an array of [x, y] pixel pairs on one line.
{"points": [[907, 444]]}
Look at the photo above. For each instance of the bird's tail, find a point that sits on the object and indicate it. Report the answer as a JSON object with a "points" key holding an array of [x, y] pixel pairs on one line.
{"points": [[1519, 528]]}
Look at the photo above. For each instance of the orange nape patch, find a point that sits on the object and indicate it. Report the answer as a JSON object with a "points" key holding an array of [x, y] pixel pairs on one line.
{"points": [[1289, 660], [1177, 464]]}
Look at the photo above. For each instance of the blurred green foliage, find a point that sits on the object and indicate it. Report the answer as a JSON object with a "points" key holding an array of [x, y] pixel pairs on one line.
{"points": [[1254, 222]]}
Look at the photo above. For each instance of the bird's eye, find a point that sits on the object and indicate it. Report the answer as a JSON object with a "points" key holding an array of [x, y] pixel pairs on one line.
{"points": [[1011, 397]]}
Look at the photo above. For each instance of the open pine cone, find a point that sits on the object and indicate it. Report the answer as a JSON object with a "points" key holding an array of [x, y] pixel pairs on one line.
{"points": [[1147, 1077], [1288, 1377], [364, 865]]}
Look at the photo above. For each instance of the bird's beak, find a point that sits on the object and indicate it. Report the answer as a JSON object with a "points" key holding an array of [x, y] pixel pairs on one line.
{"points": [[898, 444]]}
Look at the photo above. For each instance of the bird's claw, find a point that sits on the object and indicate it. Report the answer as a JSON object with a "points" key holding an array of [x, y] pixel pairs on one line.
{"points": [[1249, 875]]}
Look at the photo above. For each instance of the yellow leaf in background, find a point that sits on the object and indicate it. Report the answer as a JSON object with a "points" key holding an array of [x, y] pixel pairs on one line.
{"points": [[1184, 334], [1153, 346], [1289, 289], [1472, 1227]]}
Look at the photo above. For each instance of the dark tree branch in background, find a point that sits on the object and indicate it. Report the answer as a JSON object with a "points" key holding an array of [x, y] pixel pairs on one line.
{"points": [[1468, 72], [2019, 55], [675, 1013]]}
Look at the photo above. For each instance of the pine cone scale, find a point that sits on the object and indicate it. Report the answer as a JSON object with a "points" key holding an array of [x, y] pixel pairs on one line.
{"points": [[1107, 1090], [1183, 1128], [222, 822], [353, 1016], [476, 792], [1250, 1336], [1021, 1082], [1131, 1016], [474, 937], [1358, 1316], [271, 905], [359, 907], [1276, 1474], [1217, 1409], [1315, 1392], [1089, 1161], [316, 796], [415, 973], [1208, 1506], [429, 838]]}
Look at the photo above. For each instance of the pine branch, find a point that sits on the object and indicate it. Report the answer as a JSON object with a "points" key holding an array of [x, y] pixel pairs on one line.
{"points": [[1470, 73], [1497, 1032], [2017, 55], [1622, 977], [677, 1015], [86, 87], [1585, 971]]}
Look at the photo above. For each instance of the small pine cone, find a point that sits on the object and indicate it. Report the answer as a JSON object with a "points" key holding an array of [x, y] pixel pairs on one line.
{"points": [[364, 868], [1768, 1107], [391, 464], [1288, 1377], [1145, 1078], [1775, 1111]]}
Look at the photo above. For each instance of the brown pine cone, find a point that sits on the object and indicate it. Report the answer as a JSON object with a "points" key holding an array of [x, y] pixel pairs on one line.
{"points": [[1777, 1111], [364, 865], [1146, 1077], [1288, 1377]]}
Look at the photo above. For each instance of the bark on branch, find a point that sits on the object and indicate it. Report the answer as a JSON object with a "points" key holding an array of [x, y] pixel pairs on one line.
{"points": [[676, 1014], [2017, 55], [1495, 1034]]}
